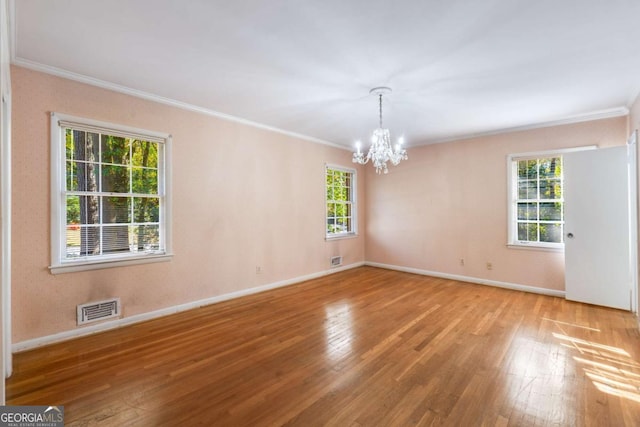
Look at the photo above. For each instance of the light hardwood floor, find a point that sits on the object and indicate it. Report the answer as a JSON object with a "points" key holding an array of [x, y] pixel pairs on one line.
{"points": [[365, 347]]}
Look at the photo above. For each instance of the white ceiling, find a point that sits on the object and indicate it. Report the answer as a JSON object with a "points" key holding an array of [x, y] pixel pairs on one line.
{"points": [[456, 67]]}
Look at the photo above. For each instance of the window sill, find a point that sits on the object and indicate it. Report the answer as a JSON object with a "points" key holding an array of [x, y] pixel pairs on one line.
{"points": [[531, 247], [340, 236], [71, 267]]}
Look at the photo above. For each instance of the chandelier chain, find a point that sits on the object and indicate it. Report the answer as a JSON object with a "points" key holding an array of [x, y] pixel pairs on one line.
{"points": [[380, 104]]}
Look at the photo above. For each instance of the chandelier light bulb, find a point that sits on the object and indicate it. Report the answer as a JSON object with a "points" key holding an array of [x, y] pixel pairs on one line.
{"points": [[380, 151]]}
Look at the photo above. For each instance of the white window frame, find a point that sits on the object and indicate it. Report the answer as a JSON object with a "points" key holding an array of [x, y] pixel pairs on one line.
{"points": [[354, 203], [59, 263], [512, 195]]}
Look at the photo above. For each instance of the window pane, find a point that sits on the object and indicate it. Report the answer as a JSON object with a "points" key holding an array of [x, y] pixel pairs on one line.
{"points": [[527, 211], [146, 209], [330, 195], [115, 179], [115, 149], [116, 210], [528, 232], [144, 237], [551, 233], [522, 169], [89, 209], [527, 189], [73, 210], [145, 153], [81, 176], [551, 189], [550, 211], [145, 181], [71, 176], [522, 231], [68, 144], [342, 225], [331, 209], [115, 239], [550, 167], [83, 241], [337, 192], [81, 145], [73, 240], [529, 169]]}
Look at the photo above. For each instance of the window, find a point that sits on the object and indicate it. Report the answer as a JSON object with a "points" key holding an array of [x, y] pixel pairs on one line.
{"points": [[537, 201], [341, 207], [109, 195]]}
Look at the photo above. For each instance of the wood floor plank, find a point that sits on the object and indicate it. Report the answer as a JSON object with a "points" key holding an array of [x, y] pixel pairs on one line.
{"points": [[358, 348]]}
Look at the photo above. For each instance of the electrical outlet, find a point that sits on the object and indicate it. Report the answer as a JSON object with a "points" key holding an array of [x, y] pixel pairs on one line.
{"points": [[258, 269], [489, 266]]}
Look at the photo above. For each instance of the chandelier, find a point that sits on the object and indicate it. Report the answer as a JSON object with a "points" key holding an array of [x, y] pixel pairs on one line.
{"points": [[381, 151]]}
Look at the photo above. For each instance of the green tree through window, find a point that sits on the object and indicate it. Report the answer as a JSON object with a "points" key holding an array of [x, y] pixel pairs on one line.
{"points": [[340, 201], [112, 194], [539, 200]]}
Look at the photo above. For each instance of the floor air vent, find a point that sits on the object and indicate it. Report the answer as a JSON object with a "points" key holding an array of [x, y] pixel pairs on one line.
{"points": [[99, 310], [336, 261]]}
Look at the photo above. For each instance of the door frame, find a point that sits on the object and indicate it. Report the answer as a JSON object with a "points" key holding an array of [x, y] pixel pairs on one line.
{"points": [[632, 151]]}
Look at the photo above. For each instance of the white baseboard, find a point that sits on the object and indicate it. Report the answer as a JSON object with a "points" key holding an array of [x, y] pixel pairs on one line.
{"points": [[506, 285], [105, 326]]}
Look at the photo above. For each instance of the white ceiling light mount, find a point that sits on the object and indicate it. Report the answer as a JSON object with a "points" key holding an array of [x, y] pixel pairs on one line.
{"points": [[381, 151]]}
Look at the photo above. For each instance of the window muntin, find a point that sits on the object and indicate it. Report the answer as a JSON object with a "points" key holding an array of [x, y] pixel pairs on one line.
{"points": [[538, 201], [111, 201], [340, 201]]}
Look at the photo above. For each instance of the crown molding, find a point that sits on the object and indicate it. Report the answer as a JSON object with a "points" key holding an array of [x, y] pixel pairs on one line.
{"points": [[36, 66], [578, 118], [81, 78]]}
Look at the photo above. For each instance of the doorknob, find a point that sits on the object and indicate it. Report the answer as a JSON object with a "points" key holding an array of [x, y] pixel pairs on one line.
{"points": [[570, 235]]}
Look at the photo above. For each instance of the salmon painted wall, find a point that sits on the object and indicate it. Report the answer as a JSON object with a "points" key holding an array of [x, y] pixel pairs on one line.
{"points": [[449, 202], [242, 197]]}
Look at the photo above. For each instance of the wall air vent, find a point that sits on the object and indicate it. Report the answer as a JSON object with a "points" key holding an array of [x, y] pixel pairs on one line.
{"points": [[336, 261], [99, 310]]}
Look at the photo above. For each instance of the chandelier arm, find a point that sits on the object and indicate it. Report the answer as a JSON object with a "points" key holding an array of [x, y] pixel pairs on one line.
{"points": [[380, 103]]}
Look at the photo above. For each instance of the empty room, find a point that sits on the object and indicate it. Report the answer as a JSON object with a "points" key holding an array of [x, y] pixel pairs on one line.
{"points": [[336, 213]]}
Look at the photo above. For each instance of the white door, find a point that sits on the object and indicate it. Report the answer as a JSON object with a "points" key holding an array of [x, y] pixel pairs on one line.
{"points": [[597, 235]]}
